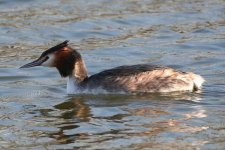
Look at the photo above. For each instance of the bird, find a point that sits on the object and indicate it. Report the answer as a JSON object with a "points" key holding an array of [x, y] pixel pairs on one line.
{"points": [[139, 78]]}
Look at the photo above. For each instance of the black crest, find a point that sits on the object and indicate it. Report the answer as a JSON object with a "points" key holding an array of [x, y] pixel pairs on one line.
{"points": [[55, 48]]}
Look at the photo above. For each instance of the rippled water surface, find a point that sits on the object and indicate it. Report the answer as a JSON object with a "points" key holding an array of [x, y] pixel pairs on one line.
{"points": [[36, 112]]}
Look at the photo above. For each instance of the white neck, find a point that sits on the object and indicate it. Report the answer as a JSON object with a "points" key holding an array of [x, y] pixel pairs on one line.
{"points": [[72, 85], [78, 75]]}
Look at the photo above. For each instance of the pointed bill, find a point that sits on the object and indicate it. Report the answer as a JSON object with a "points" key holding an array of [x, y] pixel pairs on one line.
{"points": [[37, 62]]}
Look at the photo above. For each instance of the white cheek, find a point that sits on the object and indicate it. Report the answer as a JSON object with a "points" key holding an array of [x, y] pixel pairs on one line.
{"points": [[49, 62]]}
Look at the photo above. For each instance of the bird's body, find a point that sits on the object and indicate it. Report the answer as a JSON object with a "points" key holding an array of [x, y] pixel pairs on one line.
{"points": [[135, 78], [143, 78]]}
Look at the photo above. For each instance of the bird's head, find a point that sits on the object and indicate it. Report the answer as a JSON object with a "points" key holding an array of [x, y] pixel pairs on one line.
{"points": [[60, 56]]}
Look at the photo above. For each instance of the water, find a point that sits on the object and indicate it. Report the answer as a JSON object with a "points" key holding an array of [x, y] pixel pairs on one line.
{"points": [[36, 112]]}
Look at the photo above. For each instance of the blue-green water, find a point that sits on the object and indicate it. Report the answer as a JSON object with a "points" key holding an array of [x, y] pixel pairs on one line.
{"points": [[36, 112]]}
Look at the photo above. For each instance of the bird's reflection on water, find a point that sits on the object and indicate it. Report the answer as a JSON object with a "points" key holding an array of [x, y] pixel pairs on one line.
{"points": [[125, 117]]}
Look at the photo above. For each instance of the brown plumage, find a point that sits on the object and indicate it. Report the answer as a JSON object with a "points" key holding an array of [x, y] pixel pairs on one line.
{"points": [[65, 59], [135, 78]]}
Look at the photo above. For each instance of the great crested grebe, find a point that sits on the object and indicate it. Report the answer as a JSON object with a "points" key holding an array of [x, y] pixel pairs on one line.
{"points": [[136, 78]]}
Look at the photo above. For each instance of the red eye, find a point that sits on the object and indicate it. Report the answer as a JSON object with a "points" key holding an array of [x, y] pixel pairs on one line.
{"points": [[46, 58]]}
